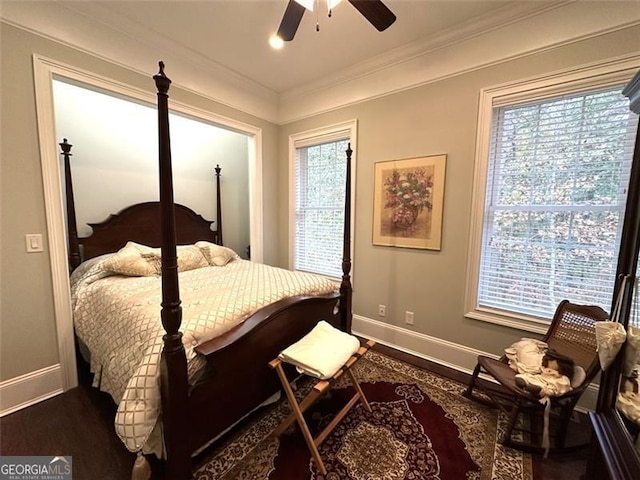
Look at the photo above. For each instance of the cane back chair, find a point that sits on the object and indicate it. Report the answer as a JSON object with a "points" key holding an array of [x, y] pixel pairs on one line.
{"points": [[572, 334]]}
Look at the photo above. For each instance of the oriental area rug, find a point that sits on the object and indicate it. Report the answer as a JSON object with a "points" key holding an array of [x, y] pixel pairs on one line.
{"points": [[420, 427]]}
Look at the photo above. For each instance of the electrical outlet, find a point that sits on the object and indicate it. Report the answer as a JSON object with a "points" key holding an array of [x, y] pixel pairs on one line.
{"points": [[382, 310], [408, 318]]}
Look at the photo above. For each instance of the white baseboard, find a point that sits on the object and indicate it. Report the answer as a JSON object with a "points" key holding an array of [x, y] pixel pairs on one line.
{"points": [[29, 389], [34, 387], [448, 354]]}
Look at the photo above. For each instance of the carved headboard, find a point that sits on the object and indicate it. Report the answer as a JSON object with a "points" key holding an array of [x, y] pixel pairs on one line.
{"points": [[140, 223]]}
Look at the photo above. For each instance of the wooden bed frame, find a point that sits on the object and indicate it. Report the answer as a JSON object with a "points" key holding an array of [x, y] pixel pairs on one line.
{"points": [[238, 378]]}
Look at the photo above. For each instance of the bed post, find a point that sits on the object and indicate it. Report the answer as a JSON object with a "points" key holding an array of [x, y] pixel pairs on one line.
{"points": [[173, 365], [218, 206], [345, 286], [72, 229]]}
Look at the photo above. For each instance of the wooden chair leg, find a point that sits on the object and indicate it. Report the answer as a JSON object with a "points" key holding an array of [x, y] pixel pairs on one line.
{"points": [[565, 418], [472, 383], [513, 418]]}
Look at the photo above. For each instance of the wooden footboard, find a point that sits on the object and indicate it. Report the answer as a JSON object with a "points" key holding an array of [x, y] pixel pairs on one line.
{"points": [[239, 378]]}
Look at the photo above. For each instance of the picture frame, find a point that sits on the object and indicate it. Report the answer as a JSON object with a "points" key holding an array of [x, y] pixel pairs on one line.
{"points": [[408, 202]]}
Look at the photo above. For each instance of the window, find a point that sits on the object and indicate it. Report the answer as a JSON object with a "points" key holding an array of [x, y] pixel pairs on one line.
{"points": [[319, 175], [556, 170]]}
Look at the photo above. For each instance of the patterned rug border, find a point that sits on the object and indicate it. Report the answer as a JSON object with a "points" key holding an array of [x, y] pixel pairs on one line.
{"points": [[496, 461]]}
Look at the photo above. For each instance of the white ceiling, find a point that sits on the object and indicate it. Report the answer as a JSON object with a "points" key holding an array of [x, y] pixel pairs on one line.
{"points": [[222, 46], [234, 34]]}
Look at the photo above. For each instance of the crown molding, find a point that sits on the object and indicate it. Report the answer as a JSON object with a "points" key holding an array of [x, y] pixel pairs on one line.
{"points": [[461, 52], [95, 35], [508, 14], [514, 31]]}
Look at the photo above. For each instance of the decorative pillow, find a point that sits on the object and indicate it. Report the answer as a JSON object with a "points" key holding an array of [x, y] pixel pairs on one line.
{"points": [[155, 260], [216, 255], [190, 257], [133, 260]]}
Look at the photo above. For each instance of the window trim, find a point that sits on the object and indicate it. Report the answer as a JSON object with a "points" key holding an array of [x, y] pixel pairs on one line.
{"points": [[617, 71], [314, 137]]}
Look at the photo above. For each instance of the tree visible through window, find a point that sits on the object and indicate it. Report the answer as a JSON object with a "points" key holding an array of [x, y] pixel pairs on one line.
{"points": [[556, 189], [320, 175]]}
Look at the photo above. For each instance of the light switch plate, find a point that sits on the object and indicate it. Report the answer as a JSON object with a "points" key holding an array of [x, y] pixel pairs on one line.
{"points": [[34, 242]]}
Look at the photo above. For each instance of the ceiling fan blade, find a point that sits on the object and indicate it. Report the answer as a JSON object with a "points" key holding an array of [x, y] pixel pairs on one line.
{"points": [[290, 21], [376, 12]]}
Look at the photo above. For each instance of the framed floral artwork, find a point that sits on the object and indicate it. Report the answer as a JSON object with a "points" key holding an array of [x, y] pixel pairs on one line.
{"points": [[408, 201]]}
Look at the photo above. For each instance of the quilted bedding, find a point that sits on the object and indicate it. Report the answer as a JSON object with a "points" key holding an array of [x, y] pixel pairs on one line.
{"points": [[118, 319]]}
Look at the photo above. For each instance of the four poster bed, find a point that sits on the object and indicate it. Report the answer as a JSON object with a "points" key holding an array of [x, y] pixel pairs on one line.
{"points": [[187, 382]]}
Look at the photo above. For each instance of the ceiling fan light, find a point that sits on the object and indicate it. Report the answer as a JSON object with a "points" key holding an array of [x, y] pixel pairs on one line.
{"points": [[308, 4], [276, 42]]}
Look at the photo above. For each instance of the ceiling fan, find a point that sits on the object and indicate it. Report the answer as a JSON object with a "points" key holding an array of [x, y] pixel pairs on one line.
{"points": [[374, 11]]}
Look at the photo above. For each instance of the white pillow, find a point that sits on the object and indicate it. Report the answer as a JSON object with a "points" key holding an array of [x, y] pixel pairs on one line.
{"points": [[133, 260], [216, 255], [190, 257]]}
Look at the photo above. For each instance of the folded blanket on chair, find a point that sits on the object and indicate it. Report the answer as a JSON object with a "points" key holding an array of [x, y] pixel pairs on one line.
{"points": [[322, 351]]}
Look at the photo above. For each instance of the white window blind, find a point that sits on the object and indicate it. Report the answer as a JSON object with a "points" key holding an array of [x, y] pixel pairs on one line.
{"points": [[556, 190], [634, 317], [320, 175]]}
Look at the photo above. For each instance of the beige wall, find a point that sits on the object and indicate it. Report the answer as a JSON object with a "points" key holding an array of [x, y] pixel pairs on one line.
{"points": [[440, 117], [28, 340], [436, 118]]}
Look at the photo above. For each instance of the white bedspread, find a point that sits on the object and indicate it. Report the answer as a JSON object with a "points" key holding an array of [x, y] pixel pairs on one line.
{"points": [[118, 318]]}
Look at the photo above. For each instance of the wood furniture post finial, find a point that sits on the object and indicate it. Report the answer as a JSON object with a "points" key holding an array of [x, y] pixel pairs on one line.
{"points": [[66, 147], [162, 81], [72, 228]]}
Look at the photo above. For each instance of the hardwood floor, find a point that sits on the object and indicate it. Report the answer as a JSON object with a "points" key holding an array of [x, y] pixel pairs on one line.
{"points": [[77, 423], [80, 423]]}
